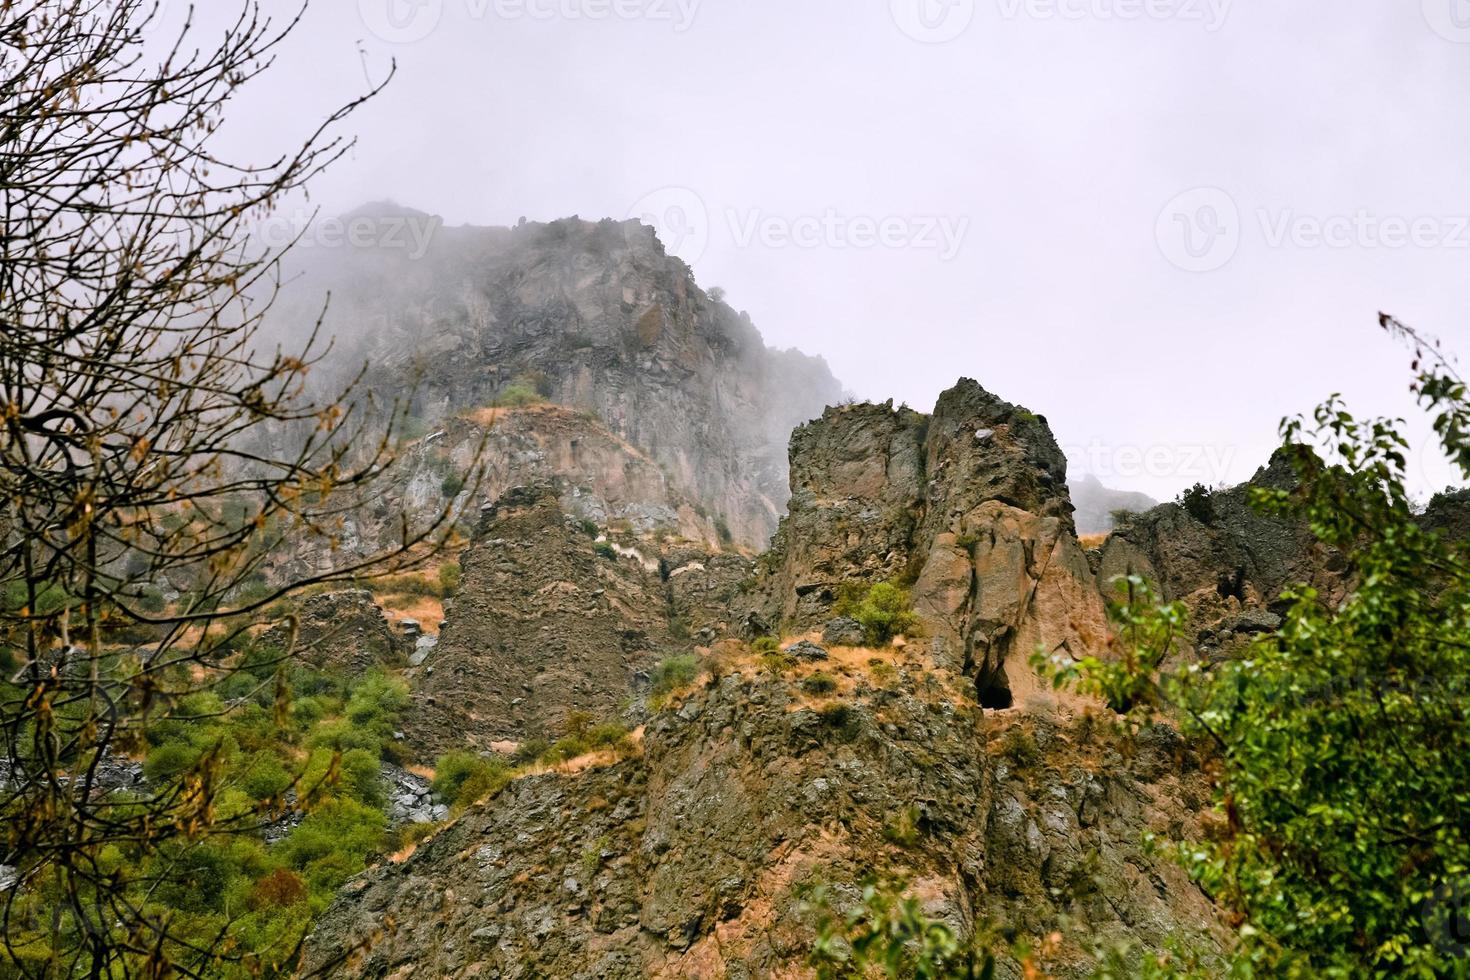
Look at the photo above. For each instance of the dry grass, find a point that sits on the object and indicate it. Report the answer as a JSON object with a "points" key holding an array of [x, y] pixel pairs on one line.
{"points": [[1091, 541], [488, 417], [427, 610]]}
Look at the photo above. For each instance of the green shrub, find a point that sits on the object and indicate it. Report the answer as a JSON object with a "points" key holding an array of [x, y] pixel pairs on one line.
{"points": [[449, 576], [529, 751], [452, 484], [902, 828], [674, 673], [461, 778], [884, 673], [169, 761], [1199, 502], [520, 392], [264, 777], [605, 550], [361, 778], [335, 841], [1020, 747], [884, 612], [775, 663], [765, 644], [819, 683]]}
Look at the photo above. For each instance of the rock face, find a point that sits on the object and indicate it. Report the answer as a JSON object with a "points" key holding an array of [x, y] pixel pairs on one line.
{"points": [[1448, 515], [551, 618], [968, 506], [600, 319], [691, 860], [1226, 558], [346, 631], [602, 479]]}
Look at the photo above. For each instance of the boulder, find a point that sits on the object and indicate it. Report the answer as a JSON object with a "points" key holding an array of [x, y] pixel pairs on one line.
{"points": [[844, 632], [806, 651]]}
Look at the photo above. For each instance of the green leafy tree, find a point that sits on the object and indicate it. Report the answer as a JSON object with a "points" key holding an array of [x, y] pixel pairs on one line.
{"points": [[887, 934], [1341, 743]]}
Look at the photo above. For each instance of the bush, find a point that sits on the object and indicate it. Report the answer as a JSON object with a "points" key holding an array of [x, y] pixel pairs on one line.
{"points": [[605, 550], [674, 673], [452, 485], [449, 576], [334, 842], [819, 684], [529, 751], [766, 644], [884, 612], [462, 778], [169, 761], [281, 888], [522, 390], [266, 777], [361, 778], [1199, 503]]}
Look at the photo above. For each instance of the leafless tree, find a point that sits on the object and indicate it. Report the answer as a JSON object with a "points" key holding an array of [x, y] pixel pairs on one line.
{"points": [[141, 428]]}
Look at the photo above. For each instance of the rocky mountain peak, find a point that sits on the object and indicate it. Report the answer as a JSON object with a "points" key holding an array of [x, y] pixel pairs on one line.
{"points": [[593, 316], [968, 508]]}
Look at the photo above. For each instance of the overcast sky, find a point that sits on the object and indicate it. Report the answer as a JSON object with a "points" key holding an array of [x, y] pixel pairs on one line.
{"points": [[1163, 224]]}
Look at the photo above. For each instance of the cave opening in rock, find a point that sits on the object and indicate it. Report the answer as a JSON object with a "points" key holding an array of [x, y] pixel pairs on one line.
{"points": [[1232, 585], [994, 693]]}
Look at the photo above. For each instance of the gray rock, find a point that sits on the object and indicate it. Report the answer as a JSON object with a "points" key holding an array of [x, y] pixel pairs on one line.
{"points": [[806, 650], [844, 632], [422, 647]]}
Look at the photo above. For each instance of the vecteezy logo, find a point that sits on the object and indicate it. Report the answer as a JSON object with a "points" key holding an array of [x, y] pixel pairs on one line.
{"points": [[1446, 918], [401, 21], [1199, 231], [1450, 19], [932, 21], [680, 218]]}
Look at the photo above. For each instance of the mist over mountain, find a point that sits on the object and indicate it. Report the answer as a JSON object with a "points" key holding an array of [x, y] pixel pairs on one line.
{"points": [[594, 316]]}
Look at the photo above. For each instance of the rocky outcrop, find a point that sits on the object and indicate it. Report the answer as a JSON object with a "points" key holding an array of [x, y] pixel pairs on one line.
{"points": [[1222, 556], [702, 588], [597, 317], [1448, 515], [545, 622], [969, 507], [466, 461], [344, 631], [692, 860]]}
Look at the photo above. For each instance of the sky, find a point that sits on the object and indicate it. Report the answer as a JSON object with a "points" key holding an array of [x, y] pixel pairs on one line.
{"points": [[1162, 224]]}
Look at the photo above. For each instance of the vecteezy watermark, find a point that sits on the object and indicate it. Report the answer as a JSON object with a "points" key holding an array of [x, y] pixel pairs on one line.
{"points": [[1450, 19], [1199, 230], [1445, 915], [1211, 14], [933, 21], [401, 21], [410, 234], [1197, 463], [942, 234], [1202, 229], [680, 219], [407, 21], [1362, 229], [684, 224]]}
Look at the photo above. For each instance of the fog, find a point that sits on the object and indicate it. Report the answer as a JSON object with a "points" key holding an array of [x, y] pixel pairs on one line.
{"points": [[1163, 224]]}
